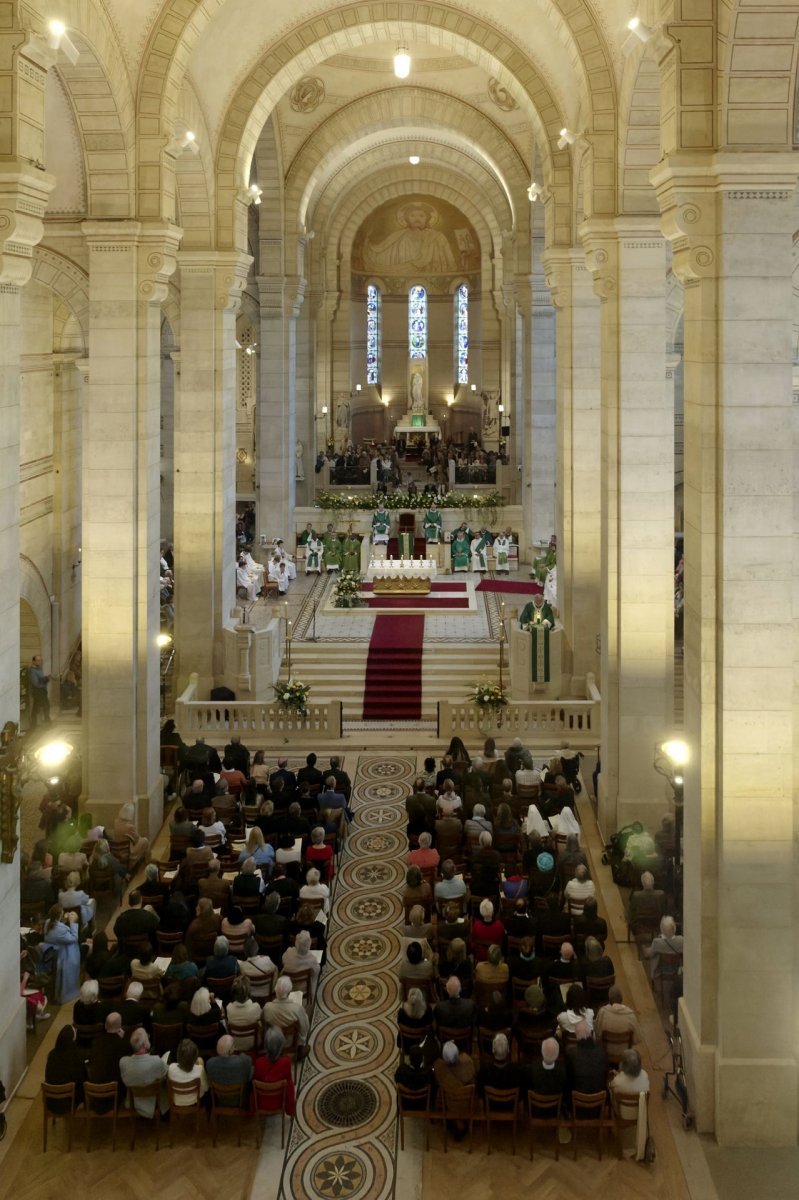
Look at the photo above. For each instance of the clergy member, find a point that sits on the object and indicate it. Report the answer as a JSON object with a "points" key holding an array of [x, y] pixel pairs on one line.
{"points": [[243, 580], [460, 551], [313, 554], [351, 553], [332, 549], [478, 548], [381, 524], [432, 524], [536, 612], [501, 553]]}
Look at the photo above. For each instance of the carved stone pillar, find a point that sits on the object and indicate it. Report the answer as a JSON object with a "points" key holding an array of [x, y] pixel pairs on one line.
{"points": [[578, 496], [211, 283], [627, 258], [129, 265], [281, 299], [730, 219]]}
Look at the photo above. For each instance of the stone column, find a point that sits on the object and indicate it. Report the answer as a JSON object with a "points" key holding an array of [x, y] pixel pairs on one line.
{"points": [[627, 258], [66, 503], [281, 299], [730, 219], [211, 283], [543, 414], [578, 496], [130, 263]]}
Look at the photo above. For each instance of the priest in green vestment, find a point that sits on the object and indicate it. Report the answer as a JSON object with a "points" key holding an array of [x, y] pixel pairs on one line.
{"points": [[432, 524], [306, 535], [332, 548], [381, 524], [536, 612], [502, 553], [460, 551], [351, 553]]}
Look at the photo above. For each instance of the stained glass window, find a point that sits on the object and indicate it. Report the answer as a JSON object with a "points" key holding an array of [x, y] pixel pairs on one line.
{"points": [[417, 323], [373, 315], [462, 332]]}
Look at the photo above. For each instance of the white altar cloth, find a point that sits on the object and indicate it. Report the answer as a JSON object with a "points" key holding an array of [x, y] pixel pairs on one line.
{"points": [[401, 568]]}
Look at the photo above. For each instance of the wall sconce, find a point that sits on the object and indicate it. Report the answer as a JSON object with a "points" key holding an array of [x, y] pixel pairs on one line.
{"points": [[474, 387], [500, 408], [566, 139], [78, 561], [324, 410], [59, 39], [255, 193], [358, 387]]}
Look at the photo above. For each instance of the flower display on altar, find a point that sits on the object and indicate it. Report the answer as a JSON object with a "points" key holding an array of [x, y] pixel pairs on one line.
{"points": [[292, 694], [488, 695], [347, 590], [475, 501]]}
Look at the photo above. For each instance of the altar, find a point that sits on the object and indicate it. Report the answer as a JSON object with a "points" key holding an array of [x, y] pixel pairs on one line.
{"points": [[401, 576]]}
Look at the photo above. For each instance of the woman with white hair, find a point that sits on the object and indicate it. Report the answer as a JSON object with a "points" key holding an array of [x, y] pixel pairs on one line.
{"points": [[124, 829], [203, 1010], [101, 860], [221, 964], [487, 930], [320, 853], [425, 856], [273, 1066], [313, 889], [300, 957], [87, 1009], [632, 1080]]}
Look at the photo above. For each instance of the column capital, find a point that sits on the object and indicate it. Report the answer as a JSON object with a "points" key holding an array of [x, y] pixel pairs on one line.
{"points": [[282, 295], [154, 244], [560, 263], [688, 185], [229, 269], [601, 245], [23, 200]]}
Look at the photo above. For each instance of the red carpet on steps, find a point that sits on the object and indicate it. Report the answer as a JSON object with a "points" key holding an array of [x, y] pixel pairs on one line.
{"points": [[512, 588], [393, 686]]}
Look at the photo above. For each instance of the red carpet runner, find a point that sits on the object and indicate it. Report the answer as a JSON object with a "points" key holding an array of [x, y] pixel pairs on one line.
{"points": [[509, 586], [393, 687]]}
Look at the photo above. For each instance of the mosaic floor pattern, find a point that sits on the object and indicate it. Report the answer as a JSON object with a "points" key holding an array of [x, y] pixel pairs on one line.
{"points": [[343, 1138]]}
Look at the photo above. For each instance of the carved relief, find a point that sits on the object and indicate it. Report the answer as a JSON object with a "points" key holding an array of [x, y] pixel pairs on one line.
{"points": [[308, 94], [500, 95]]}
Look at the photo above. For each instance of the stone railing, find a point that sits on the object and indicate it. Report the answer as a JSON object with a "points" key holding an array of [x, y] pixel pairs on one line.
{"points": [[545, 723], [257, 719]]}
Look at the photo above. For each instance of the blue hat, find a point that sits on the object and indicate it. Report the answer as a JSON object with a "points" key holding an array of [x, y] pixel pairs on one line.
{"points": [[545, 861]]}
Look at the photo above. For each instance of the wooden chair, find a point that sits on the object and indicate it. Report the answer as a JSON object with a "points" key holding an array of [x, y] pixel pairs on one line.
{"points": [[615, 1044], [425, 986], [552, 942], [485, 1041], [57, 1094], [461, 1037], [267, 1091], [589, 1111], [518, 987], [501, 1108], [178, 845], [237, 942], [133, 946], [301, 981], [598, 988], [274, 945], [168, 941], [251, 1032], [415, 1104], [229, 1100], [166, 867], [101, 882], [624, 1110], [190, 1106], [528, 1045], [85, 1034], [427, 905], [666, 972], [101, 1102], [222, 986], [411, 1035], [459, 1104], [166, 1038], [112, 988], [543, 1112], [146, 1091], [484, 992], [120, 850], [204, 1037], [249, 905]]}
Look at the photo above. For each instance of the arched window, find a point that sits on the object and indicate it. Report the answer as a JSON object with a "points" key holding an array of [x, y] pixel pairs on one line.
{"points": [[417, 323], [462, 333], [373, 332]]}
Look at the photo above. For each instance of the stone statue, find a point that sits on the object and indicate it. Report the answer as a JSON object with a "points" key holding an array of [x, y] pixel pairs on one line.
{"points": [[417, 399], [299, 469]]}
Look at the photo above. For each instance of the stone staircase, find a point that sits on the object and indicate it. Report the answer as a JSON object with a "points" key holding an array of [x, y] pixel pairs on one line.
{"points": [[336, 670]]}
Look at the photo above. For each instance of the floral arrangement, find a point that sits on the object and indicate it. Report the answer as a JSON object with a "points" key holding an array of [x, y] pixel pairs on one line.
{"points": [[347, 592], [293, 696], [367, 501], [488, 695]]}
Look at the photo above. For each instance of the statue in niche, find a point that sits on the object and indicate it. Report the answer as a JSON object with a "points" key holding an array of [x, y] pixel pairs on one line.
{"points": [[490, 414], [299, 469], [416, 246], [343, 415]]}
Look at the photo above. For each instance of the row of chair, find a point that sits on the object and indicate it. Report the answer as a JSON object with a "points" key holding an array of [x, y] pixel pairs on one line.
{"points": [[102, 1103], [598, 1111]]}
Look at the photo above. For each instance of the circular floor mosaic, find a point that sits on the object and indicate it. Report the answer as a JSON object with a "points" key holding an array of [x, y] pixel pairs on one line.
{"points": [[346, 1103], [338, 1175]]}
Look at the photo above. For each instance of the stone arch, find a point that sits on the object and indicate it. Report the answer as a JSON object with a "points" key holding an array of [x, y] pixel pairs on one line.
{"points": [[382, 115], [268, 81], [70, 283], [194, 177], [639, 131], [33, 590], [758, 58], [268, 174], [102, 104]]}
